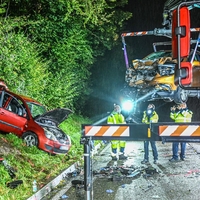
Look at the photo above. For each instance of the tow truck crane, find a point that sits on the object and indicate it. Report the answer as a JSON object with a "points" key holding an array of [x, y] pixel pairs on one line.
{"points": [[152, 78], [179, 13]]}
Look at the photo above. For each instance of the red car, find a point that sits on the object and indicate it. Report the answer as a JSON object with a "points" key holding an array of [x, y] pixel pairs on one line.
{"points": [[29, 120]]}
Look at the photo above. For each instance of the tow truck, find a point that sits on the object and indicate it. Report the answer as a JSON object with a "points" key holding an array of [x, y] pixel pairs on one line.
{"points": [[154, 77], [177, 16]]}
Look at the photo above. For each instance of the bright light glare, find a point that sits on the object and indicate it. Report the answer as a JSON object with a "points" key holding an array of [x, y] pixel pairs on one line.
{"points": [[127, 105]]}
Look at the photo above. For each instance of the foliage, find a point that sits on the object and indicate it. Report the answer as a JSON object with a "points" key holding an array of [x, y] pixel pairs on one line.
{"points": [[73, 125], [70, 35], [21, 66], [29, 162], [47, 50]]}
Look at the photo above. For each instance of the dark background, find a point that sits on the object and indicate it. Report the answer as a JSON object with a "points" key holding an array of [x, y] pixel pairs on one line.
{"points": [[108, 74]]}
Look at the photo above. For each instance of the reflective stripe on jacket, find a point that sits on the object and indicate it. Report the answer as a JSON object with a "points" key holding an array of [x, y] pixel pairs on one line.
{"points": [[116, 118]]}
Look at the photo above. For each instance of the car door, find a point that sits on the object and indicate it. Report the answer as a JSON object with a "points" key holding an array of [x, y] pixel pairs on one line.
{"points": [[12, 118]]}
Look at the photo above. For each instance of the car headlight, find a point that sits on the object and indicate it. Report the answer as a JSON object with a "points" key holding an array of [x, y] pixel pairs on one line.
{"points": [[50, 135], [166, 69]]}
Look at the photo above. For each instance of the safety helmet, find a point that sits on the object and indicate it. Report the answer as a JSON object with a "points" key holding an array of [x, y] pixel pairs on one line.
{"points": [[117, 108]]}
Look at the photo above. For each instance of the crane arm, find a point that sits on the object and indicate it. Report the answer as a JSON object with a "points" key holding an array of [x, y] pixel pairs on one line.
{"points": [[171, 5]]}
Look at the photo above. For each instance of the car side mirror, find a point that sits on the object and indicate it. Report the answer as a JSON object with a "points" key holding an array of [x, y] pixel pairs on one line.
{"points": [[186, 73], [183, 30]]}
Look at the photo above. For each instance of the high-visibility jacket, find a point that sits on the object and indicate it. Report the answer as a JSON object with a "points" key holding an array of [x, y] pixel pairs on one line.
{"points": [[147, 119], [184, 115], [116, 118]]}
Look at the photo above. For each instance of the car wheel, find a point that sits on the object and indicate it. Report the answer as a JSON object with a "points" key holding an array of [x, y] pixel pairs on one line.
{"points": [[30, 139], [180, 96]]}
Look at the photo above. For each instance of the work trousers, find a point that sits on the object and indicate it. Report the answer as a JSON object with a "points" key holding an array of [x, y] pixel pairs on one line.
{"points": [[146, 150], [116, 144], [175, 148]]}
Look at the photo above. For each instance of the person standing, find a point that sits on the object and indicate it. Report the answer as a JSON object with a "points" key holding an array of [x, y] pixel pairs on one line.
{"points": [[180, 113], [117, 118], [150, 116]]}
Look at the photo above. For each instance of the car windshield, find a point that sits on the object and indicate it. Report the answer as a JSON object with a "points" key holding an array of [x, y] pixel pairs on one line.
{"points": [[36, 109], [158, 54]]}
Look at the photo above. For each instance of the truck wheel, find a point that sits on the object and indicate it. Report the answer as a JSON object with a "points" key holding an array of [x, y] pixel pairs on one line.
{"points": [[30, 139], [180, 96]]}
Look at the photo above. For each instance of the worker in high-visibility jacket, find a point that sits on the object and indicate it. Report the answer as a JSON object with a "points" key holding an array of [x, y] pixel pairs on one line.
{"points": [[150, 116], [180, 113], [117, 146]]}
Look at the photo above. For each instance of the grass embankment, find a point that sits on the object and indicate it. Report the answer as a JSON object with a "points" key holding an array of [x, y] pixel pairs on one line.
{"points": [[34, 164]]}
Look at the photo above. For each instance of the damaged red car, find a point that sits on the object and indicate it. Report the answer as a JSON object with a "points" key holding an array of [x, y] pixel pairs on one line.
{"points": [[29, 120]]}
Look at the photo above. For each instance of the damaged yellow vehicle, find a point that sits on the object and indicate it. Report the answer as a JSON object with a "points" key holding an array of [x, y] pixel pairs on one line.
{"points": [[153, 78]]}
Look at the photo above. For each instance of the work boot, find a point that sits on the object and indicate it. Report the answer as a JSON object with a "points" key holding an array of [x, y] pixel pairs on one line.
{"points": [[174, 160], [155, 161], [122, 157], [144, 161], [114, 157], [182, 158]]}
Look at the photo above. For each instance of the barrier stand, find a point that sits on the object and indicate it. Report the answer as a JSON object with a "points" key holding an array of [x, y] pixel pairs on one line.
{"points": [[87, 166], [165, 132]]}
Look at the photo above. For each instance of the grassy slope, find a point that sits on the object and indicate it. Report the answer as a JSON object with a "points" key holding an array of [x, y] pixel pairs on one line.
{"points": [[33, 164]]}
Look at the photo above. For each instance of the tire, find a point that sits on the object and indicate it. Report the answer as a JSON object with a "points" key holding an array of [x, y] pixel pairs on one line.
{"points": [[180, 96], [30, 139]]}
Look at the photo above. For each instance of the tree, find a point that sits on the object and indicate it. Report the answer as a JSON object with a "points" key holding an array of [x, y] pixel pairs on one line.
{"points": [[22, 68], [70, 35]]}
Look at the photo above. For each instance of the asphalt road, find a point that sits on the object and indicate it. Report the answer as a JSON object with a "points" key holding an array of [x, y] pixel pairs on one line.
{"points": [[171, 181]]}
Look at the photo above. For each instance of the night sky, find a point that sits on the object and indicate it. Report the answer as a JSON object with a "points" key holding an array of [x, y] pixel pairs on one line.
{"points": [[110, 69], [145, 18]]}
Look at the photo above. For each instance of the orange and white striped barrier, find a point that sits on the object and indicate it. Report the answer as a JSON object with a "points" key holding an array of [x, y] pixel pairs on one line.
{"points": [[140, 33], [179, 130], [113, 131], [156, 31]]}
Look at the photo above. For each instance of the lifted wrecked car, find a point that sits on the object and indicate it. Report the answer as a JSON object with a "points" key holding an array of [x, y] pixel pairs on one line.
{"points": [[153, 78], [29, 120]]}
